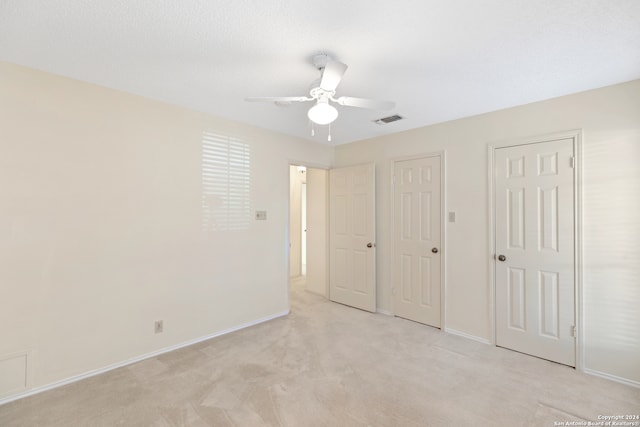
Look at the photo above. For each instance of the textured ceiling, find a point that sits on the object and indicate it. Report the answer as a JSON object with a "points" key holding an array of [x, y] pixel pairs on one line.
{"points": [[438, 60]]}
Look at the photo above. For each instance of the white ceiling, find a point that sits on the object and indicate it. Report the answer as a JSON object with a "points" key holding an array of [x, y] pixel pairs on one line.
{"points": [[438, 60]]}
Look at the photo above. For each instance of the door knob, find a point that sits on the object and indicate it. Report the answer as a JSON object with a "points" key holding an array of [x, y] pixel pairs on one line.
{"points": [[502, 258], [434, 250], [370, 245]]}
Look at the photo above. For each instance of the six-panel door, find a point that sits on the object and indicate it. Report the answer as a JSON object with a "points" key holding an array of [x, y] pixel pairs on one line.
{"points": [[534, 205], [417, 241], [352, 278]]}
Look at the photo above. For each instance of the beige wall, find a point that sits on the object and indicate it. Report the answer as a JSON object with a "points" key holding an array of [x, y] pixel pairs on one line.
{"points": [[101, 228], [101, 223], [610, 119]]}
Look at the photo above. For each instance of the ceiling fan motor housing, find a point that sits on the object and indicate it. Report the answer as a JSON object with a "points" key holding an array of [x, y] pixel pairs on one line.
{"points": [[320, 60], [320, 94]]}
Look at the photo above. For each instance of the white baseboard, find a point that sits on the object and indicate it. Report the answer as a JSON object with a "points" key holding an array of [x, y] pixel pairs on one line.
{"points": [[610, 377], [468, 336], [385, 312], [136, 359], [604, 375]]}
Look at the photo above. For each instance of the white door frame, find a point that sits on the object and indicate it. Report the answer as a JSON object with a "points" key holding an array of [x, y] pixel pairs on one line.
{"points": [[576, 136], [443, 228], [288, 233]]}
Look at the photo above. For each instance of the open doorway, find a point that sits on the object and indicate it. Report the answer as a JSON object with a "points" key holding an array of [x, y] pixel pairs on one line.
{"points": [[308, 228]]}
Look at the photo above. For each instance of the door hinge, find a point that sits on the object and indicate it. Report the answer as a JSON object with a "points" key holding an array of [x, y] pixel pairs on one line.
{"points": [[573, 331], [572, 162]]}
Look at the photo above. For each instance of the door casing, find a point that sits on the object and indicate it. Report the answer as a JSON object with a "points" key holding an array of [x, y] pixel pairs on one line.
{"points": [[576, 136], [295, 162]]}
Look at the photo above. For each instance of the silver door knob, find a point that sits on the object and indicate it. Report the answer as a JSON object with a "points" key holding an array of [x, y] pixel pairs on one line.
{"points": [[434, 250], [502, 258]]}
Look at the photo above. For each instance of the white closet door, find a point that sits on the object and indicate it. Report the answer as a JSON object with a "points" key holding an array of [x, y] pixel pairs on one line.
{"points": [[535, 249]]}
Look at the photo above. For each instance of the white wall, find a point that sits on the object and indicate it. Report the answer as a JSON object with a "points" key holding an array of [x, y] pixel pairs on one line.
{"points": [[610, 119], [101, 227], [317, 230]]}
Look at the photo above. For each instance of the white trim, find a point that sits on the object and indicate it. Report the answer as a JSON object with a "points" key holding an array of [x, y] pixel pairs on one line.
{"points": [[547, 137], [578, 248], [312, 165], [576, 136], [375, 235], [391, 225], [288, 235], [492, 237], [327, 227], [108, 368], [307, 164], [467, 336], [385, 312], [444, 221], [610, 377], [443, 225]]}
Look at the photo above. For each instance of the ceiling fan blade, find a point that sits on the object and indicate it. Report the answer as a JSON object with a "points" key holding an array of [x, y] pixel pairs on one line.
{"points": [[332, 75], [278, 99], [371, 104]]}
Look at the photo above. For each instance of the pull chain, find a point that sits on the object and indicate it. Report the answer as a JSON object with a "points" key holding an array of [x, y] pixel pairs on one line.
{"points": [[329, 137]]}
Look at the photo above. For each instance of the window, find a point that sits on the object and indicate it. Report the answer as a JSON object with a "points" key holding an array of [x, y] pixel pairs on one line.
{"points": [[226, 183]]}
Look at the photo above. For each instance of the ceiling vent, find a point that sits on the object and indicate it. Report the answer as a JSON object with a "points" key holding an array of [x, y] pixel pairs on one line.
{"points": [[390, 119]]}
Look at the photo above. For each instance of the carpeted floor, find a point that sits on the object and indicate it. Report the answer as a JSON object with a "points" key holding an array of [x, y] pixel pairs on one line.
{"points": [[330, 365]]}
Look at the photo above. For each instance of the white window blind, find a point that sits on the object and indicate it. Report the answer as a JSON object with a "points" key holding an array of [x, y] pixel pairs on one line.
{"points": [[226, 183]]}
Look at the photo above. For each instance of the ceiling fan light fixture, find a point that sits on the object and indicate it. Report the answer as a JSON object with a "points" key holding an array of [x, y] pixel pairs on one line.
{"points": [[322, 113]]}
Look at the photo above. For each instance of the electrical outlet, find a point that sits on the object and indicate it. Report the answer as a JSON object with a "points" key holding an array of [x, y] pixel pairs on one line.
{"points": [[158, 327]]}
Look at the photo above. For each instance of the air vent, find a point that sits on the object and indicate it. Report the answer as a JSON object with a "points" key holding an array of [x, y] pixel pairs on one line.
{"points": [[390, 119]]}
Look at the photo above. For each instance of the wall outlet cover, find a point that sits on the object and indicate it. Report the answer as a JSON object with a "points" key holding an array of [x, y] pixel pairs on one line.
{"points": [[158, 327]]}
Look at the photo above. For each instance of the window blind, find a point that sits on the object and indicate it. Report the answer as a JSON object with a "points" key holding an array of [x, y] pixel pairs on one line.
{"points": [[226, 183]]}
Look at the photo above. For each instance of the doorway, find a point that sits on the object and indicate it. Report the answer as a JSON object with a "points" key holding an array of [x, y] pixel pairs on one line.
{"points": [[535, 244], [340, 242], [308, 229]]}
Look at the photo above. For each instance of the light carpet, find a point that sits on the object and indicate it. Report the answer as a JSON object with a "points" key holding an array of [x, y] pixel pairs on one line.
{"points": [[330, 365]]}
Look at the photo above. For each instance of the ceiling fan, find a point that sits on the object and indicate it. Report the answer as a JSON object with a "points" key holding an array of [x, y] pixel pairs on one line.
{"points": [[323, 93]]}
